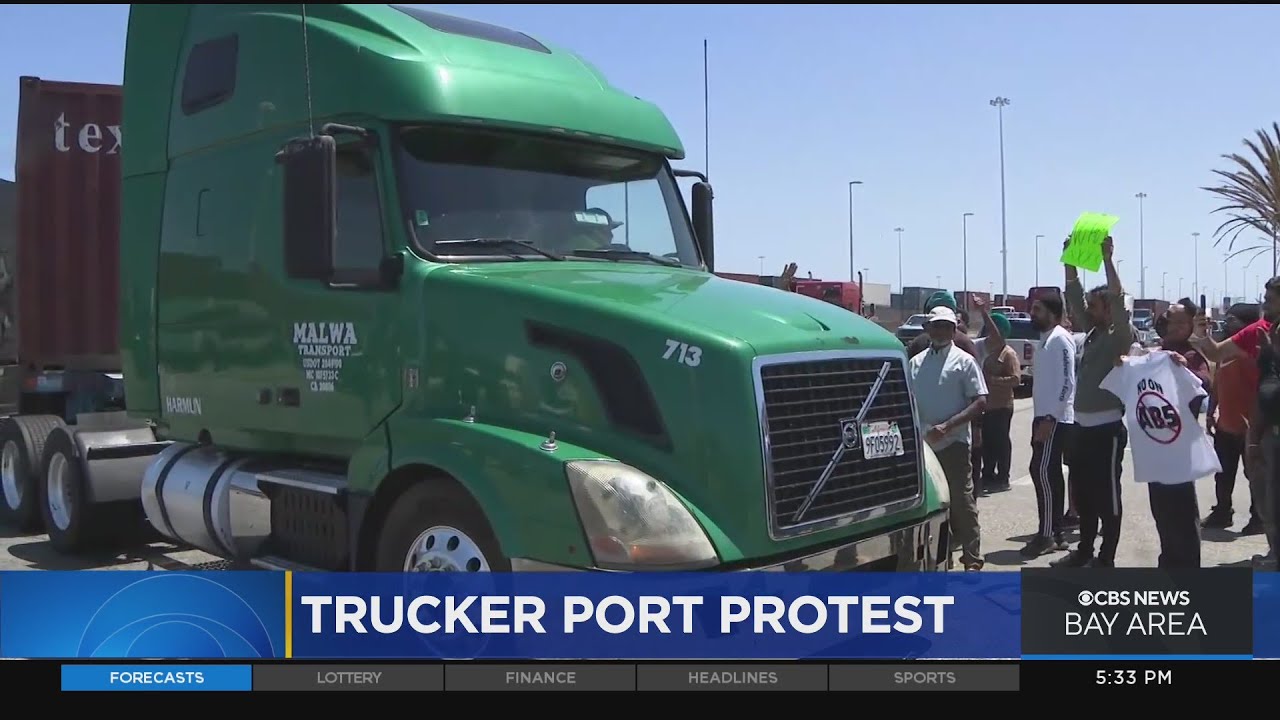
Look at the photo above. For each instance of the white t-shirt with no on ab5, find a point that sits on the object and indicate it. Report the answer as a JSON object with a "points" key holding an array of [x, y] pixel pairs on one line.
{"points": [[1168, 444]]}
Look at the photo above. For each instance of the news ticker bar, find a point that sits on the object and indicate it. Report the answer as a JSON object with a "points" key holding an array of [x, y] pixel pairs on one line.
{"points": [[923, 676]]}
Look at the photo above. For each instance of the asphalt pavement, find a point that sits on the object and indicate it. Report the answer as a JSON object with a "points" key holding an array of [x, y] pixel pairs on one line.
{"points": [[1008, 520]]}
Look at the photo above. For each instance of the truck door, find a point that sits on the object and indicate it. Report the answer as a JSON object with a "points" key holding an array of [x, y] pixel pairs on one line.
{"points": [[342, 374]]}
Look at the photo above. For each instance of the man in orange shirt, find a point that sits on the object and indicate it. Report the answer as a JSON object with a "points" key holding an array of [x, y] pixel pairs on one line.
{"points": [[1234, 391]]}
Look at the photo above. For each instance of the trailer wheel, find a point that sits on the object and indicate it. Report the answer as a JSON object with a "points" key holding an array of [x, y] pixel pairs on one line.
{"points": [[22, 442], [437, 527], [73, 523]]}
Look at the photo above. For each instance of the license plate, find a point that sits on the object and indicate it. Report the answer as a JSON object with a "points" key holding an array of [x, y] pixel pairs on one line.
{"points": [[881, 440]]}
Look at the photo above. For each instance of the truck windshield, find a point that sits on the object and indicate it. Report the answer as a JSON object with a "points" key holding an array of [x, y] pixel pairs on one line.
{"points": [[562, 197]]}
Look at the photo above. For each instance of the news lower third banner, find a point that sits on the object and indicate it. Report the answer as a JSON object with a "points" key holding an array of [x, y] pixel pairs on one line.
{"points": [[1118, 614]]}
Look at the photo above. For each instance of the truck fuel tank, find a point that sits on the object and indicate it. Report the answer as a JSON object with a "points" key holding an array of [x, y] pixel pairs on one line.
{"points": [[246, 508], [204, 497]]}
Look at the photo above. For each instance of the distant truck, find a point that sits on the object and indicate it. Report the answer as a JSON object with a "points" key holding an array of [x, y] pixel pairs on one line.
{"points": [[1149, 308], [425, 297], [845, 294]]}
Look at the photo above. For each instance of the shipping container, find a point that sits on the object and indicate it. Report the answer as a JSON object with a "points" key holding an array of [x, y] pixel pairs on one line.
{"points": [[8, 266], [1017, 302], [1036, 292], [877, 294], [913, 298], [1155, 308], [965, 298], [68, 195]]}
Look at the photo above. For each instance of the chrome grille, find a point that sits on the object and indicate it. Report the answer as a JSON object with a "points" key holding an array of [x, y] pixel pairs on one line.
{"points": [[803, 400]]}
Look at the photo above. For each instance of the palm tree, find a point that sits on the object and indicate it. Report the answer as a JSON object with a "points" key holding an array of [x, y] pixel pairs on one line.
{"points": [[1252, 195]]}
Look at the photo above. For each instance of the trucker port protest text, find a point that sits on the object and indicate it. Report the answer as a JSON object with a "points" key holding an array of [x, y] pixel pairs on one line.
{"points": [[523, 614]]}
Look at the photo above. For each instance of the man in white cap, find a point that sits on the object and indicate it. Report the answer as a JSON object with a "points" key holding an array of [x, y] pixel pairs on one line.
{"points": [[950, 393]]}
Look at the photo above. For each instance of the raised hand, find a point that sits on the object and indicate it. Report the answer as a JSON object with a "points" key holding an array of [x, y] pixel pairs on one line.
{"points": [[1108, 247]]}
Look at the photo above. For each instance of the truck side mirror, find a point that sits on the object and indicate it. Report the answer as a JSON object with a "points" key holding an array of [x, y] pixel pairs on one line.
{"points": [[703, 227], [310, 202]]}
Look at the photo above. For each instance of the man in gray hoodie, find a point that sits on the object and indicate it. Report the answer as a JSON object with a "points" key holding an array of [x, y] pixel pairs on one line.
{"points": [[1100, 434]]}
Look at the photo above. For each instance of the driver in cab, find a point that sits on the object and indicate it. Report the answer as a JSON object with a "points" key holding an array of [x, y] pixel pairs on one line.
{"points": [[592, 230]]}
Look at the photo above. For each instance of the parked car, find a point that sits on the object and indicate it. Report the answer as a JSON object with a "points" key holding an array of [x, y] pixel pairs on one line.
{"points": [[911, 329]]}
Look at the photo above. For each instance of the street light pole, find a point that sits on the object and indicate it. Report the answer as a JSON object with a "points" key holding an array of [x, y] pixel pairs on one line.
{"points": [[1226, 277], [1038, 260], [964, 230], [1195, 282], [999, 104], [761, 258], [1142, 255], [899, 231], [852, 273]]}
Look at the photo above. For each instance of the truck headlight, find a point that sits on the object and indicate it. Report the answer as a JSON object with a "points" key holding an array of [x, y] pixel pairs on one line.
{"points": [[633, 521], [933, 469]]}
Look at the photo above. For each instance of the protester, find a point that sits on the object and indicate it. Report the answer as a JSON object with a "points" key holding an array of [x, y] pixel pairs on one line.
{"points": [[1262, 450], [950, 394], [1071, 521], [1174, 505], [1249, 344], [965, 343], [1227, 420], [1099, 438], [1002, 372], [1053, 399]]}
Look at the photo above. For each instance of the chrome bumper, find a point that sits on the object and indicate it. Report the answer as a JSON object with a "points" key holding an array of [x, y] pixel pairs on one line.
{"points": [[922, 547]]}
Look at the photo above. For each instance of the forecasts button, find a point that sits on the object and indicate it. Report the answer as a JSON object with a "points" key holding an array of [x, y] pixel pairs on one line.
{"points": [[157, 678]]}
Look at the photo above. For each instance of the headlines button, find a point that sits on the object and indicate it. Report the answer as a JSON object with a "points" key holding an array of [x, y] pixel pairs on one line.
{"points": [[157, 678]]}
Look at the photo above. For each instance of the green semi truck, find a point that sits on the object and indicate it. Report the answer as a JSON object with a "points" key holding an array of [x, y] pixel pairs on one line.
{"points": [[400, 291]]}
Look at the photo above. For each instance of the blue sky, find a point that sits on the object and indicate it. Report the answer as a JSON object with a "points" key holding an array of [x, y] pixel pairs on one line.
{"points": [[1106, 102]]}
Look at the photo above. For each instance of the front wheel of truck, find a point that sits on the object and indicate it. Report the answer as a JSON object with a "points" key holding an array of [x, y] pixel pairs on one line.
{"points": [[437, 527]]}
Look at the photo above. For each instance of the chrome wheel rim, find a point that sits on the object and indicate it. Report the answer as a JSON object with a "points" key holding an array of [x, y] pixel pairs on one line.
{"points": [[13, 490], [445, 549], [59, 487]]}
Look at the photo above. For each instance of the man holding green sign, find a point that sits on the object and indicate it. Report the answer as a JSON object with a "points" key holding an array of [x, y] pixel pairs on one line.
{"points": [[1099, 437]]}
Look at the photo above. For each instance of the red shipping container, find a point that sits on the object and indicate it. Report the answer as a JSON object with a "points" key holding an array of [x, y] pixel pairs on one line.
{"points": [[68, 173], [850, 298]]}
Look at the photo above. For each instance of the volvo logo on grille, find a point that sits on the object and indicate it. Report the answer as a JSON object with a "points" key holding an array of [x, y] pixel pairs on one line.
{"points": [[849, 433], [848, 441]]}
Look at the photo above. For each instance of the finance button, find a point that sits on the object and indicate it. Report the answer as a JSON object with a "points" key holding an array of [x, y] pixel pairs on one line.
{"points": [[484, 678], [925, 676], [346, 678], [733, 677]]}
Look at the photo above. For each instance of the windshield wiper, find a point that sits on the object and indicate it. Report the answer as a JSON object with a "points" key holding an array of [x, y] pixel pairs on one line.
{"points": [[503, 243], [620, 254]]}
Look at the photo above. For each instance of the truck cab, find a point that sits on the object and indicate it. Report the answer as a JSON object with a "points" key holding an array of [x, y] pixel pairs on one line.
{"points": [[407, 292]]}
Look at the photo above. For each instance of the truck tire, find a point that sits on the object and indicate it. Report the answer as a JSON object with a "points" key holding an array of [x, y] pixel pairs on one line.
{"points": [[74, 524], [437, 527], [22, 442]]}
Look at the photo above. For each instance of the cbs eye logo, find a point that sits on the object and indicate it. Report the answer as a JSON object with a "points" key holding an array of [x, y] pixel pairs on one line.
{"points": [[177, 615]]}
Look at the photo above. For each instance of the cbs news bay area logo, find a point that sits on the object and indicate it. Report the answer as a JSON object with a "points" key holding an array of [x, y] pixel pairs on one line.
{"points": [[1112, 612]]}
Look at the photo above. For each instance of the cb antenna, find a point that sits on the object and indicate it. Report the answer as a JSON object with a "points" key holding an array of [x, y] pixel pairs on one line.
{"points": [[306, 70]]}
